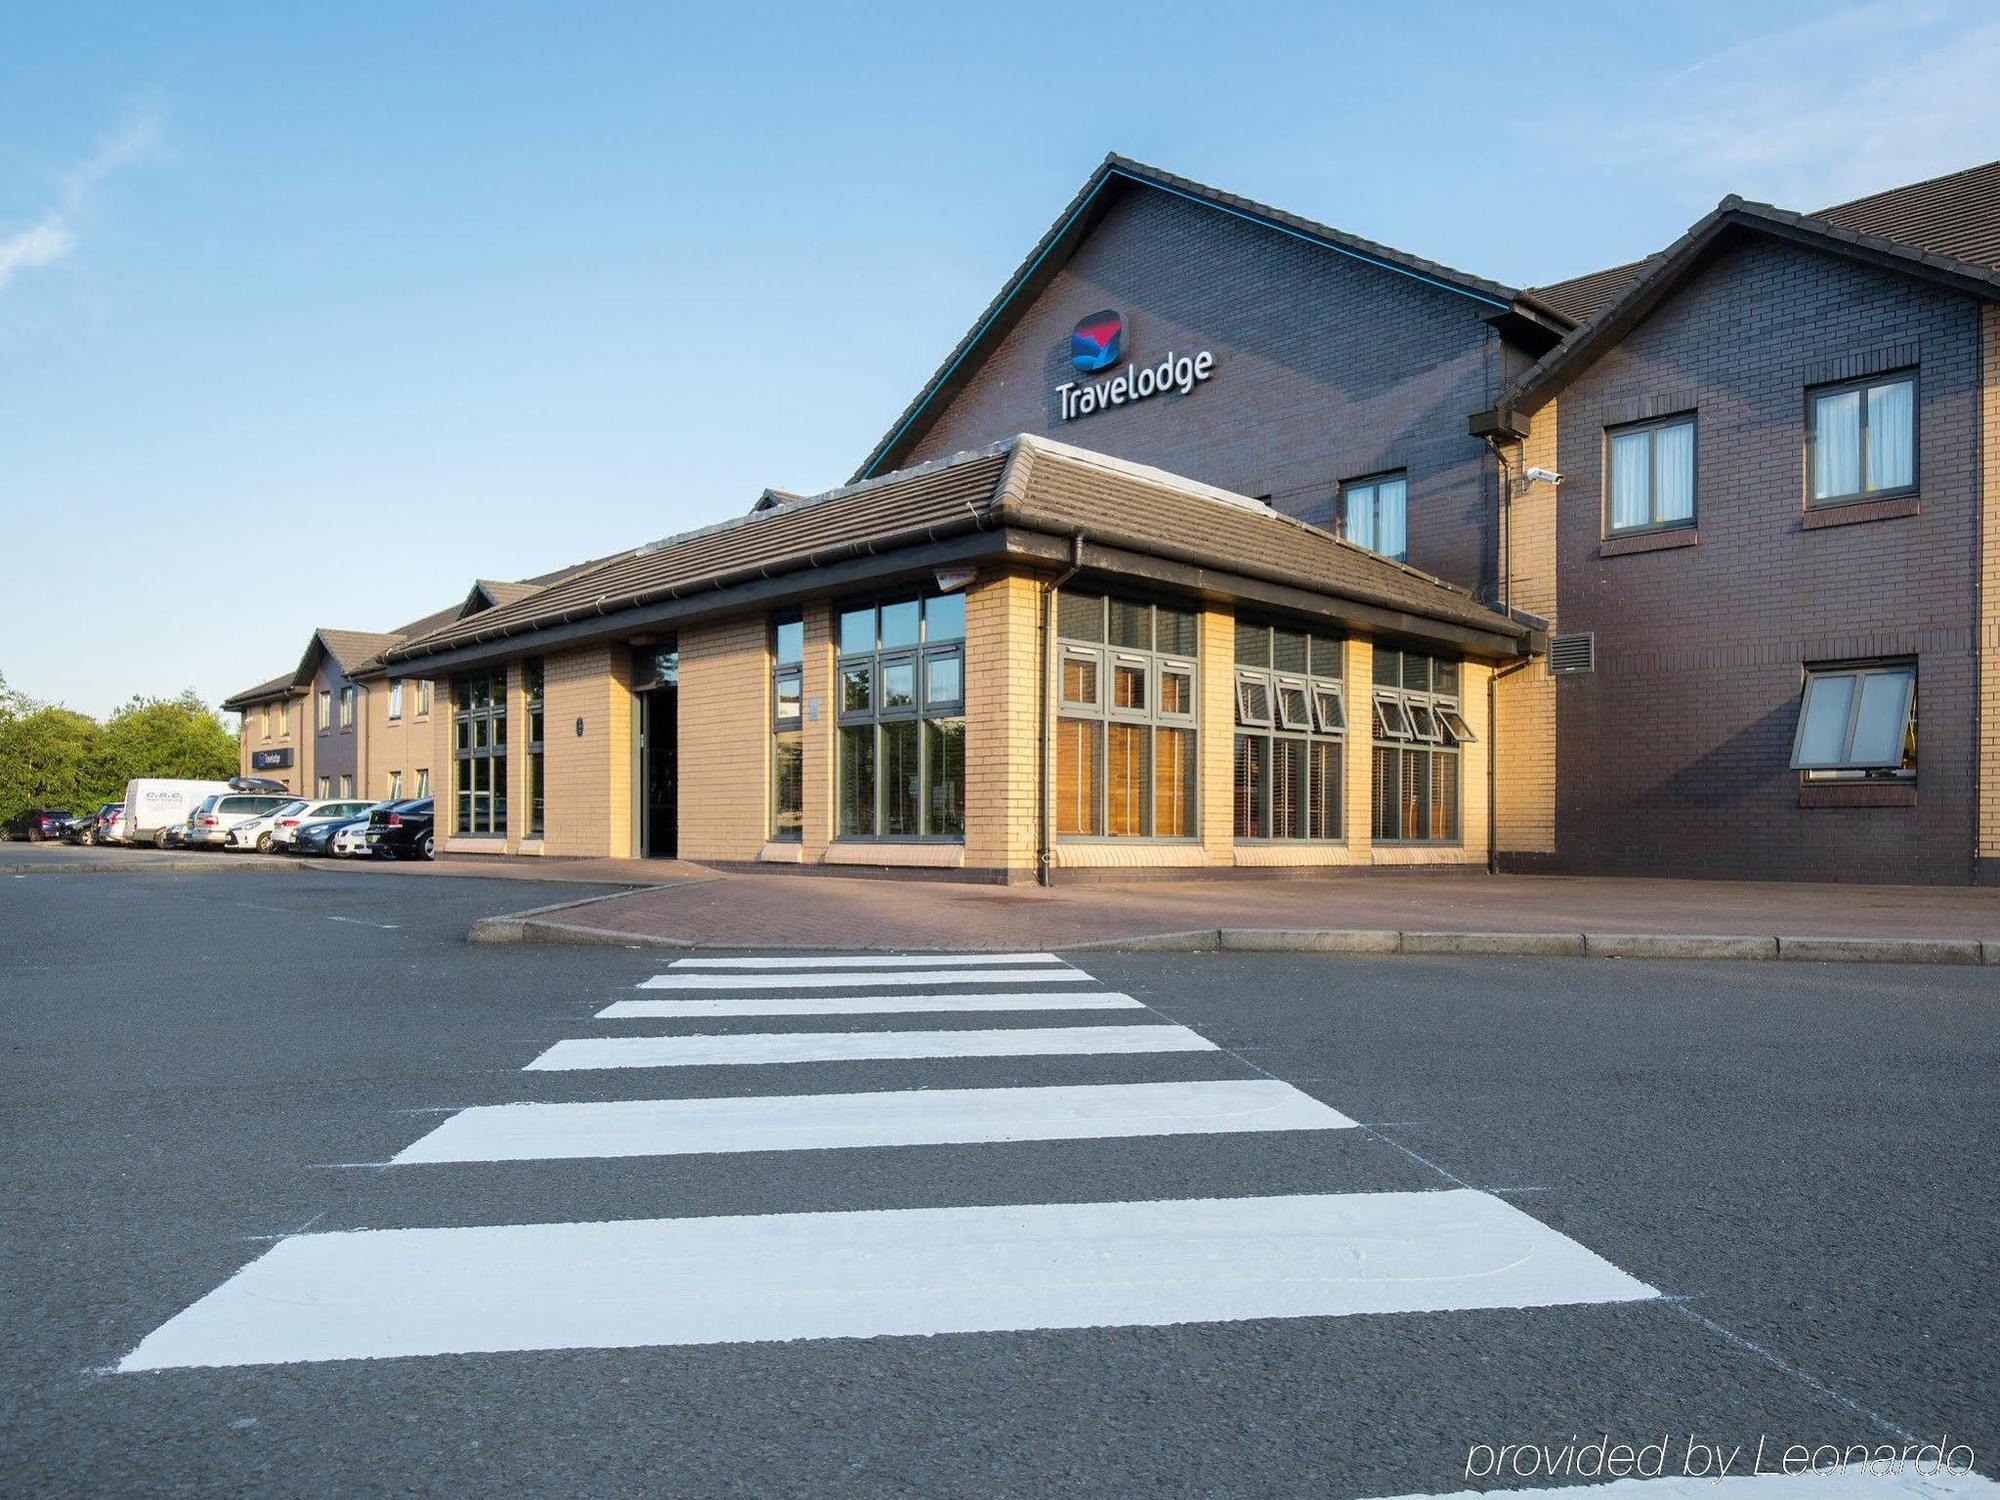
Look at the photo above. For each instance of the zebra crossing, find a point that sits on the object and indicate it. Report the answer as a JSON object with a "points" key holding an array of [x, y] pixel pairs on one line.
{"points": [[942, 1268]]}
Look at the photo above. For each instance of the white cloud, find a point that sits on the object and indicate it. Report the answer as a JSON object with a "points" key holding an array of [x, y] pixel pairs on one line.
{"points": [[1850, 103], [54, 234]]}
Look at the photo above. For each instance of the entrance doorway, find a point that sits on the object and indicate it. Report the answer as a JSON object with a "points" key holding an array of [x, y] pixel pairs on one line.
{"points": [[658, 674]]}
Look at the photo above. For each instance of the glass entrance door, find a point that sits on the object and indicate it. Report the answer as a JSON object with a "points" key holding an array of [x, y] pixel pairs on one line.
{"points": [[660, 792]]}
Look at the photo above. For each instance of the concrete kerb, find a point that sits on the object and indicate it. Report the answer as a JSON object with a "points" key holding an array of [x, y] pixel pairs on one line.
{"points": [[538, 926]]}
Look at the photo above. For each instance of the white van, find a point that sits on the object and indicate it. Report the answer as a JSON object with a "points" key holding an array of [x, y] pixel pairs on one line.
{"points": [[153, 805]]}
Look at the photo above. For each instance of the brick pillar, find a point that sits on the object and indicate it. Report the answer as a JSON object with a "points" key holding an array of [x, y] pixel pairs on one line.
{"points": [[1216, 739], [1004, 662], [1360, 748], [1525, 777]]}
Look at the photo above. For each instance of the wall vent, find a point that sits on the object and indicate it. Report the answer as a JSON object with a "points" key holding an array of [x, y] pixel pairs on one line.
{"points": [[1576, 652]]}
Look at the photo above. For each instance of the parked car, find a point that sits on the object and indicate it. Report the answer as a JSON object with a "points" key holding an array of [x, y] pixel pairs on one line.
{"points": [[175, 837], [404, 829], [350, 840], [210, 826], [87, 830], [116, 827], [300, 811], [316, 837], [155, 805], [37, 823]]}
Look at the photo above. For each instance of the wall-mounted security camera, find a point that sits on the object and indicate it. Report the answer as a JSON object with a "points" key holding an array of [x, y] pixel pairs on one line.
{"points": [[1542, 476]]}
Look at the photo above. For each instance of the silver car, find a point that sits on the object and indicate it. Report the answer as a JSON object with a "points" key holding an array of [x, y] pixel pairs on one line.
{"points": [[210, 824]]}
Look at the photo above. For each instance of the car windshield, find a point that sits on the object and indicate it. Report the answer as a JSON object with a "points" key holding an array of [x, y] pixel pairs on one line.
{"points": [[291, 807], [208, 805]]}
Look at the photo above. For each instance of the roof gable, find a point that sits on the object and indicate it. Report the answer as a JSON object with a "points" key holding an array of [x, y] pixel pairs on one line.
{"points": [[1115, 176], [1663, 275]]}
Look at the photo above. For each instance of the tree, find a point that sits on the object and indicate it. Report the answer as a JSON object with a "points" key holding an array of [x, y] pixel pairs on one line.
{"points": [[55, 757], [48, 757], [179, 737]]}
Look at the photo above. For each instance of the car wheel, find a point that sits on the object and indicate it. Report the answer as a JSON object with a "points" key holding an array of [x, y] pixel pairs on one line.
{"points": [[86, 838], [160, 839], [34, 835], [427, 847]]}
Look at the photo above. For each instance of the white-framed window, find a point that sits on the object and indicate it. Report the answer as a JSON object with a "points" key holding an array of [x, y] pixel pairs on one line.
{"points": [[323, 788], [423, 782], [267, 721], [788, 741], [396, 700], [1857, 721], [1287, 771], [326, 708], [395, 786], [347, 708], [1125, 738], [1375, 513], [1418, 730], [347, 784], [1650, 476], [423, 696], [285, 717], [899, 739], [1861, 440]]}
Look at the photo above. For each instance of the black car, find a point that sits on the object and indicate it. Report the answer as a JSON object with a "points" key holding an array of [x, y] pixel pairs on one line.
{"points": [[404, 829], [36, 824], [83, 830]]}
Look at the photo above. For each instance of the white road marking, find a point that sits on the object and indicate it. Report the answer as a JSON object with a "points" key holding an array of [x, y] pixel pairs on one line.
{"points": [[358, 922], [399, 1292], [1823, 1484], [911, 1117], [1056, 975], [871, 961], [856, 1046], [860, 1005]]}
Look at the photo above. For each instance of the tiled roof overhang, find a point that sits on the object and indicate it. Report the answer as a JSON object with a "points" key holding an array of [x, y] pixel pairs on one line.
{"points": [[1028, 499]]}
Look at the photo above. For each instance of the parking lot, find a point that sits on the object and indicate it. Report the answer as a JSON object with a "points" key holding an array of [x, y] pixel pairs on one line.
{"points": [[1759, 1194]]}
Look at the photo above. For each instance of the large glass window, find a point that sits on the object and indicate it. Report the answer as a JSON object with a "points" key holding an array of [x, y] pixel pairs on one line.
{"points": [[347, 708], [1374, 513], [479, 739], [1125, 735], [1418, 728], [788, 742], [1651, 476], [1858, 722], [325, 708], [1863, 440], [900, 679], [531, 680], [1291, 722]]}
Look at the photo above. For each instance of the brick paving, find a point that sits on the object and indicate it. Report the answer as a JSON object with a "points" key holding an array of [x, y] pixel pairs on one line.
{"points": [[758, 910]]}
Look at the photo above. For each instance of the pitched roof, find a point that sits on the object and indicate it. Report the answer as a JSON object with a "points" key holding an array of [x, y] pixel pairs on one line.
{"points": [[354, 649], [1025, 484], [263, 692], [1732, 218], [1956, 215], [1113, 177]]}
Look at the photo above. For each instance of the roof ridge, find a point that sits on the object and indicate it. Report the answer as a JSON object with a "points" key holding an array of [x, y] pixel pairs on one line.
{"points": [[1905, 187]]}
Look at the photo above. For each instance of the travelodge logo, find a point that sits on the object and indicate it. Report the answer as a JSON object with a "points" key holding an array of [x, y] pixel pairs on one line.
{"points": [[1097, 342]]}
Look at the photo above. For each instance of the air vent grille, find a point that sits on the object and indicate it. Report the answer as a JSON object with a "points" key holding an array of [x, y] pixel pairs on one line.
{"points": [[1576, 652]]}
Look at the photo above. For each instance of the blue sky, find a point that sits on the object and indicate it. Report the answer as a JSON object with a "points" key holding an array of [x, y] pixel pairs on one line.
{"points": [[310, 315]]}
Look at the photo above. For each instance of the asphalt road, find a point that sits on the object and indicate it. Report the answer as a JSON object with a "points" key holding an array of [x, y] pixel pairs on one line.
{"points": [[1798, 1156]]}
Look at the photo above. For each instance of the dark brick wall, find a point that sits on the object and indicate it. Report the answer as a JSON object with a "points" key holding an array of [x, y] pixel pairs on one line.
{"points": [[1672, 758], [1328, 368], [334, 754]]}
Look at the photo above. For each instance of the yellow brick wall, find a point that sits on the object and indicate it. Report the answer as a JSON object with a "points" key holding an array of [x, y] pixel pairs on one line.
{"points": [[1525, 778], [1003, 660], [587, 778], [1215, 742], [1989, 587], [252, 738], [401, 744], [1360, 748], [725, 739]]}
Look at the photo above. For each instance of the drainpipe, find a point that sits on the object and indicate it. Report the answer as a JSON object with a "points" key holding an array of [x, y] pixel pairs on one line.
{"points": [[1046, 648], [1506, 539], [1493, 761]]}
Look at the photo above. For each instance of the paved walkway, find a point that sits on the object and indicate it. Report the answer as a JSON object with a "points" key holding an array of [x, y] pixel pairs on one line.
{"points": [[823, 911]]}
